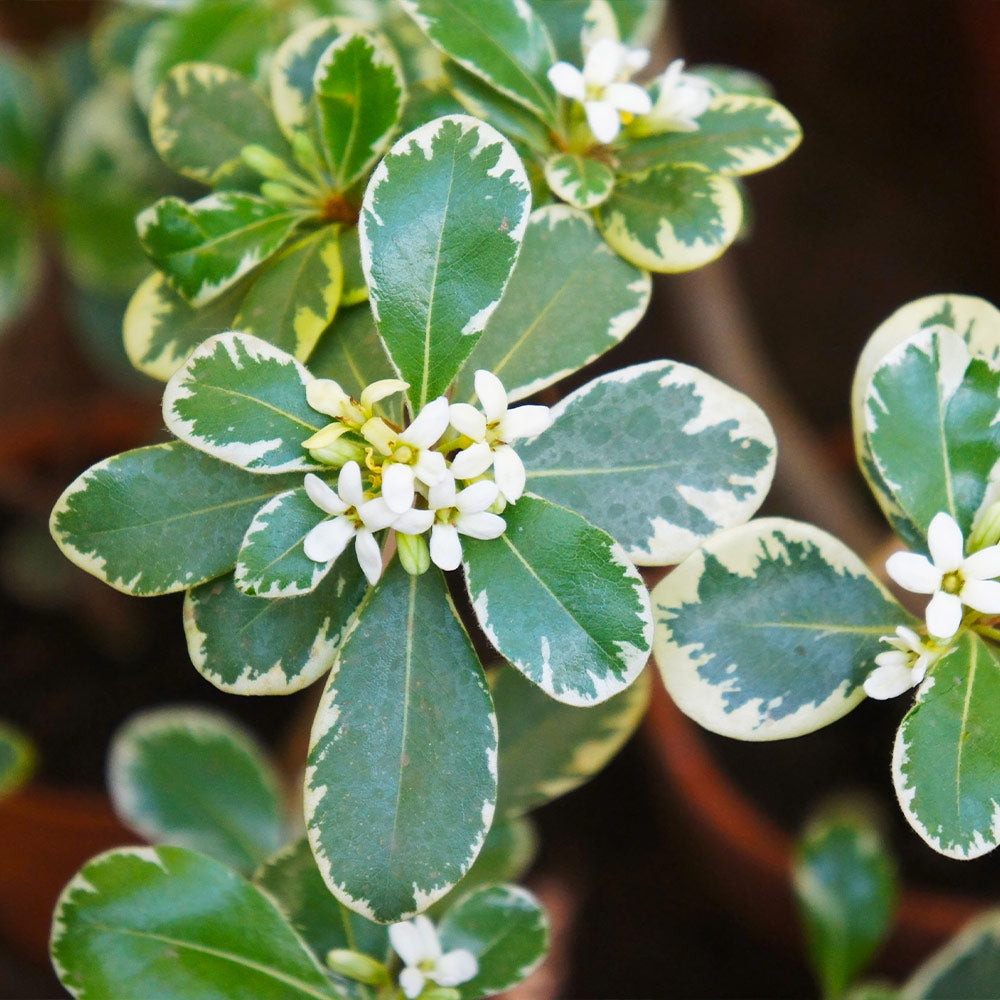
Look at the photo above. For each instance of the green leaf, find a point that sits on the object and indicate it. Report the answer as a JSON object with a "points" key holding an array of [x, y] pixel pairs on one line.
{"points": [[182, 921], [768, 630], [561, 601], [441, 227], [846, 884], [967, 967], [660, 455], [243, 401], [506, 929], [17, 759], [20, 260], [162, 329], [592, 292], [673, 218], [160, 519], [23, 118], [501, 41], [930, 412], [295, 297], [579, 180], [546, 748], [359, 94], [201, 118], [401, 776], [944, 759], [354, 289], [732, 80], [293, 881], [246, 645], [194, 778], [737, 135], [207, 246]]}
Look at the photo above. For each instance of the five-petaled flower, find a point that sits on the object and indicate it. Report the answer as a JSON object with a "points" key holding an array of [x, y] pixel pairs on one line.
{"points": [[903, 666], [416, 942], [461, 512], [681, 100], [953, 578]]}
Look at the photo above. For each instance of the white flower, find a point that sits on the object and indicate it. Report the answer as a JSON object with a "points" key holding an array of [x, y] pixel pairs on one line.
{"points": [[416, 942], [413, 458], [902, 667], [954, 579], [681, 100], [461, 513], [602, 87], [491, 431]]}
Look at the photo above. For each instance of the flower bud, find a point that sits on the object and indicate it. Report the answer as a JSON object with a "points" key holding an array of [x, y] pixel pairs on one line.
{"points": [[358, 967], [305, 153], [414, 554], [378, 433], [266, 163], [281, 193], [332, 447], [987, 532]]}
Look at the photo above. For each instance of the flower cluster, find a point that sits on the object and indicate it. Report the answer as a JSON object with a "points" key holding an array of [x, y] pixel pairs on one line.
{"points": [[450, 472], [416, 942], [610, 99]]}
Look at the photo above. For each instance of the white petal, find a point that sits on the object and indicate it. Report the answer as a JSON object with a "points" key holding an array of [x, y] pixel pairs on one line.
{"points": [[909, 638], [636, 59], [524, 422], [467, 420], [472, 462], [380, 389], [412, 982], [323, 495], [477, 497], [945, 542], [431, 423], [414, 522], [349, 485], [482, 525], [913, 572], [442, 494], [629, 97], [446, 548], [982, 595], [397, 486], [377, 514], [893, 658], [982, 565], [369, 556], [429, 943], [567, 80], [888, 682], [603, 119], [491, 394], [458, 966], [604, 62], [943, 615], [325, 395], [508, 470], [405, 941], [430, 467], [328, 539]]}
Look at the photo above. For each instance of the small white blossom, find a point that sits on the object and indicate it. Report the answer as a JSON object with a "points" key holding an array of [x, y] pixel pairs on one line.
{"points": [[681, 100], [953, 578], [602, 87], [414, 459], [461, 512], [416, 942], [902, 667]]}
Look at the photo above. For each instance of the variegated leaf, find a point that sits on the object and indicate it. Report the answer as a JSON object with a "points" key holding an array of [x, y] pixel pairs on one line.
{"points": [[17, 759], [769, 629], [354, 289], [401, 776], [159, 519], [592, 292], [243, 401], [673, 218], [246, 645], [23, 116], [944, 762], [660, 477], [731, 80], [207, 246], [579, 180], [561, 601], [574, 24], [441, 227], [967, 966]]}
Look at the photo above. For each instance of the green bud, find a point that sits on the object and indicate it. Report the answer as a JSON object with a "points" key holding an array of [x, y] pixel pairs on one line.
{"points": [[987, 532], [413, 553], [267, 164], [361, 968], [440, 993], [498, 506], [281, 193], [306, 155]]}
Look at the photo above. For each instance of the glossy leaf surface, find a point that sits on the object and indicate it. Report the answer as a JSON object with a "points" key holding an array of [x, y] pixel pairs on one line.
{"points": [[579, 180], [968, 966]]}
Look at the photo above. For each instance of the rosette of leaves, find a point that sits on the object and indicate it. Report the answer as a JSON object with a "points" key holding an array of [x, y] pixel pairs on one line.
{"points": [[637, 467], [770, 630], [667, 201]]}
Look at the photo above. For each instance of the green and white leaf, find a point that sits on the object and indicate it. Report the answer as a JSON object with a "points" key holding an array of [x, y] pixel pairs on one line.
{"points": [[20, 260], [507, 930], [401, 775], [17, 759], [207, 246], [579, 180], [592, 292], [575, 24], [355, 289], [502, 41], [546, 748], [695, 457], [23, 116], [243, 401], [944, 758], [732, 80], [737, 135], [201, 118], [769, 629], [294, 298], [159, 519], [166, 915], [359, 92], [672, 218], [193, 778], [451, 193], [561, 601], [249, 646], [967, 967]]}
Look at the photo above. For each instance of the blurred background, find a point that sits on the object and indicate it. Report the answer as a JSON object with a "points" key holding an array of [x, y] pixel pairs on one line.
{"points": [[893, 195]]}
